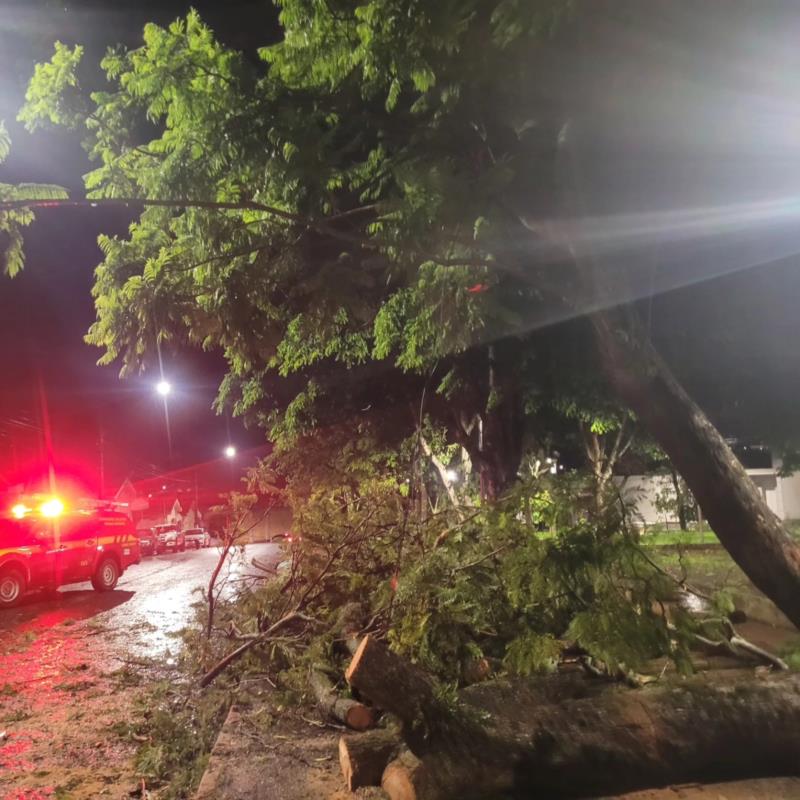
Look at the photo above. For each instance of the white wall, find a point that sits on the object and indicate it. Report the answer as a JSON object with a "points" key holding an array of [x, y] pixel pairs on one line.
{"points": [[790, 491], [641, 492], [782, 495]]}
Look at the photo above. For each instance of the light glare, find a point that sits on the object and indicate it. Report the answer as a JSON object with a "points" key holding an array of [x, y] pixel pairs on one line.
{"points": [[19, 510], [230, 451], [163, 388], [52, 508]]}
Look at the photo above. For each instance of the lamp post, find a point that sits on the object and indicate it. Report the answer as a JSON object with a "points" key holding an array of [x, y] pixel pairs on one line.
{"points": [[164, 389]]}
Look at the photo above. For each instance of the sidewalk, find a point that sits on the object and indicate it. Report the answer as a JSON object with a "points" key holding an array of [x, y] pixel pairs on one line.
{"points": [[263, 753]]}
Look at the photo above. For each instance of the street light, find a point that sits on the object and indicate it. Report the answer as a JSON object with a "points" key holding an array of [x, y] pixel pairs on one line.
{"points": [[230, 451], [163, 387]]}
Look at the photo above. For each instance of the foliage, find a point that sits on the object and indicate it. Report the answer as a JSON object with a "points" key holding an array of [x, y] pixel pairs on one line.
{"points": [[675, 500], [177, 728], [371, 166], [13, 221], [510, 584]]}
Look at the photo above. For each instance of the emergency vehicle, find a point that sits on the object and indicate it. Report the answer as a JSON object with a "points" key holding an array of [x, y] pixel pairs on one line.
{"points": [[44, 545]]}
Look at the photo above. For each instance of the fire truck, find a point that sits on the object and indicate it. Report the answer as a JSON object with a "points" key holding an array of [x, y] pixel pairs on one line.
{"points": [[44, 545]]}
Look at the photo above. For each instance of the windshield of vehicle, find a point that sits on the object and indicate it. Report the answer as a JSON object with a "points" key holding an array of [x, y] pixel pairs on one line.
{"points": [[19, 533], [16, 534]]}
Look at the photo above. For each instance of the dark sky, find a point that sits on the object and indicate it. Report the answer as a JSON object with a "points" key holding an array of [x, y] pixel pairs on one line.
{"points": [[45, 312]]}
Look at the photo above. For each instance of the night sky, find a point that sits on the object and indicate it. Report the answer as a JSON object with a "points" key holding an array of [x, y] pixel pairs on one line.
{"points": [[45, 312]]}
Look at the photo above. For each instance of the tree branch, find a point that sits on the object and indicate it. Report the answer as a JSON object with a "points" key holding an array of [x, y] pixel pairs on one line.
{"points": [[442, 470], [103, 202], [240, 651]]}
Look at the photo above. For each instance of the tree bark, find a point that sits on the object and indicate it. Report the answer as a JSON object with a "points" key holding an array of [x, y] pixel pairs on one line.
{"points": [[527, 739], [733, 506], [364, 756], [391, 683]]}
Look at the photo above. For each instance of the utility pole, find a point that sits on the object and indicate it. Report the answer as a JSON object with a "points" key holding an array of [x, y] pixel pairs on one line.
{"points": [[196, 502], [102, 463]]}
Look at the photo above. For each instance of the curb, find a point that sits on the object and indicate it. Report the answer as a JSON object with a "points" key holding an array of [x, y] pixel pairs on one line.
{"points": [[210, 783]]}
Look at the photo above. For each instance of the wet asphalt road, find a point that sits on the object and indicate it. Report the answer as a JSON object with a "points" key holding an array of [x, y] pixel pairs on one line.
{"points": [[61, 694], [152, 602]]}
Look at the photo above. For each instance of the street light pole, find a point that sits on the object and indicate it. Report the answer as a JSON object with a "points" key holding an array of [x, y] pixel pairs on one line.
{"points": [[102, 463], [163, 387]]}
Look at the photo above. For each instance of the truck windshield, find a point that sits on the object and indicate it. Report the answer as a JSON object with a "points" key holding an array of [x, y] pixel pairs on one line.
{"points": [[14, 533]]}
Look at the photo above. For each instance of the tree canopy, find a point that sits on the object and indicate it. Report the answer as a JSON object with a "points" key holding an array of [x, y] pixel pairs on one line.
{"points": [[373, 164]]}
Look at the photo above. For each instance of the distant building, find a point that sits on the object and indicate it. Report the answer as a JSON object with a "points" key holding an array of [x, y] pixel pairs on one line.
{"points": [[781, 494]]}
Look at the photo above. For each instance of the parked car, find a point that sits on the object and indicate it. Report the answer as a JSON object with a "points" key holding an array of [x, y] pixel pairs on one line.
{"points": [[147, 542], [36, 552], [286, 536], [197, 538], [168, 538]]}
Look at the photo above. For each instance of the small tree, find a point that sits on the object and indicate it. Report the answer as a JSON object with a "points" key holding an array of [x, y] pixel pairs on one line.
{"points": [[675, 498], [240, 517]]}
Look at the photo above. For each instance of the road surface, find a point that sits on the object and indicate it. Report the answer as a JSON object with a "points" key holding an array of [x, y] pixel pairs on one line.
{"points": [[60, 661]]}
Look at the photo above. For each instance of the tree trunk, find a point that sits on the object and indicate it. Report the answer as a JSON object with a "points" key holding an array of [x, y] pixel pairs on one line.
{"points": [[364, 756], [503, 421], [349, 712], [404, 778], [681, 505], [391, 683], [733, 506], [521, 739]]}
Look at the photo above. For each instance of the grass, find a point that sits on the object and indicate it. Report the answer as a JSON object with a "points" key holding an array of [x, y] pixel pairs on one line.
{"points": [[175, 729], [660, 537], [714, 572]]}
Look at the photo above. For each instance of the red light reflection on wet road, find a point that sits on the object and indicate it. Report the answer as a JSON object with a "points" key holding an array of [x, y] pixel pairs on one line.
{"points": [[58, 657]]}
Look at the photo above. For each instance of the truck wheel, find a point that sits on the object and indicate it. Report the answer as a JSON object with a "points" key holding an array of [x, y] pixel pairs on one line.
{"points": [[12, 587], [107, 575]]}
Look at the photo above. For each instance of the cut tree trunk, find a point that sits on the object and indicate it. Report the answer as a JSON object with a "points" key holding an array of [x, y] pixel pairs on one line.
{"points": [[391, 683], [520, 744], [349, 712], [733, 506], [404, 777], [364, 756]]}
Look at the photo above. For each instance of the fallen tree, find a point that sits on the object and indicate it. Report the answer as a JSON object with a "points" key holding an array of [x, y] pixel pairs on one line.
{"points": [[747, 528], [517, 741]]}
